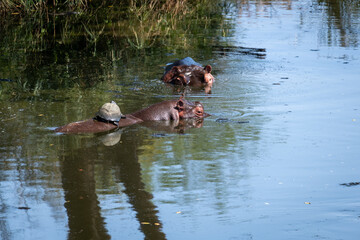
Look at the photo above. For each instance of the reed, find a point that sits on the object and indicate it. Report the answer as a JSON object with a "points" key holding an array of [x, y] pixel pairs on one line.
{"points": [[20, 7], [150, 19], [14, 7], [146, 19]]}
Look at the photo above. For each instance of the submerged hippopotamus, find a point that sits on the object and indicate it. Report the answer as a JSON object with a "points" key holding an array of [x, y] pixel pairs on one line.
{"points": [[188, 72], [166, 111]]}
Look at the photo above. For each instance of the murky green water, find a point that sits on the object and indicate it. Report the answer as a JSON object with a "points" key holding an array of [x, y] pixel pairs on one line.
{"points": [[273, 171]]}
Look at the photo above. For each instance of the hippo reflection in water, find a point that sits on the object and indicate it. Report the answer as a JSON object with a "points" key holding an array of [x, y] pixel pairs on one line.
{"points": [[188, 72], [164, 111]]}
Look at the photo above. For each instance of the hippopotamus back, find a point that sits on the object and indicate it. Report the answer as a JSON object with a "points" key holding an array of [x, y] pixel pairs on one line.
{"points": [[188, 61]]}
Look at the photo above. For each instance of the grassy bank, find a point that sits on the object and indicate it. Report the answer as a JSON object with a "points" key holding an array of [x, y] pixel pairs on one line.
{"points": [[63, 7], [21, 7], [44, 46], [38, 25]]}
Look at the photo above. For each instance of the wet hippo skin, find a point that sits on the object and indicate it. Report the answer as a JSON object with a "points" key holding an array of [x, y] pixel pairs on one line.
{"points": [[166, 110], [172, 110], [93, 126], [188, 72]]}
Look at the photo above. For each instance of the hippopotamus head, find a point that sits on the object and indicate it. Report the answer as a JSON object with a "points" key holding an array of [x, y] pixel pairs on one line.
{"points": [[189, 75], [188, 109]]}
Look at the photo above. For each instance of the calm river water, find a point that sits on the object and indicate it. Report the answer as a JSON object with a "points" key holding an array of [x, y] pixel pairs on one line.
{"points": [[278, 159]]}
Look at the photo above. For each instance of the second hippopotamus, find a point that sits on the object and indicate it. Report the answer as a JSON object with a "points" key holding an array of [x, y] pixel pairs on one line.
{"points": [[166, 110], [188, 72]]}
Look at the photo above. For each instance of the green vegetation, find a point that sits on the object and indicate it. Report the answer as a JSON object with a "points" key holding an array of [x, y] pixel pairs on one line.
{"points": [[45, 43], [41, 24]]}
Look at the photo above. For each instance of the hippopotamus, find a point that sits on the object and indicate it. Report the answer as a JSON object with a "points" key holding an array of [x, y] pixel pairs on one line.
{"points": [[94, 126], [188, 72], [166, 111]]}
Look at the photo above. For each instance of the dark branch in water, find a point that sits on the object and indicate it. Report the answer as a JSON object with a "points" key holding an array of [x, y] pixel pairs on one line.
{"points": [[226, 50], [350, 184], [24, 208], [226, 120]]}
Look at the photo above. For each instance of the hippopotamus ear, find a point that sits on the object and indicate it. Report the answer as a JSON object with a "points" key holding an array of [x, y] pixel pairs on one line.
{"points": [[180, 104], [208, 68]]}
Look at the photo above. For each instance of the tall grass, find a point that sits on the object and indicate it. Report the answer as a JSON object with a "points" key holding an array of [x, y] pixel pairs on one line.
{"points": [[15, 7], [173, 7], [146, 19], [22, 6], [150, 19], [42, 40]]}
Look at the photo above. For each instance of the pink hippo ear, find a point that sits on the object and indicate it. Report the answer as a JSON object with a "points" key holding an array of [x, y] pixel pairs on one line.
{"points": [[208, 68]]}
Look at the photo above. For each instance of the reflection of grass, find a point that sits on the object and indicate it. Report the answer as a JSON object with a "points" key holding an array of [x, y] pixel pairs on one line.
{"points": [[149, 19], [93, 35]]}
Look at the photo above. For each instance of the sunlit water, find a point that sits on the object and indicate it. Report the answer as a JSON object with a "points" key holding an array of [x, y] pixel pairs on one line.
{"points": [[273, 171]]}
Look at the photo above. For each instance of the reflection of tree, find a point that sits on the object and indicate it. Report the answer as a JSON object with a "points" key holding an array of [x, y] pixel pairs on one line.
{"points": [[85, 221], [249, 8], [341, 27], [84, 218]]}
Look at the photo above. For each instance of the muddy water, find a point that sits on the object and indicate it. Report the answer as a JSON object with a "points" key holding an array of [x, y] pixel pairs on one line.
{"points": [[278, 158]]}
